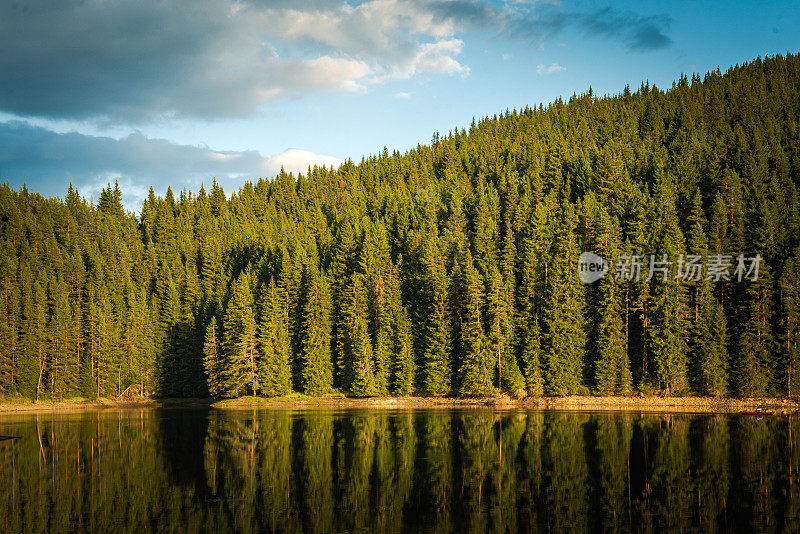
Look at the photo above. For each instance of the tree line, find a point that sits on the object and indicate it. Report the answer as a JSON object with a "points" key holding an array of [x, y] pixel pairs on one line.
{"points": [[450, 269]]}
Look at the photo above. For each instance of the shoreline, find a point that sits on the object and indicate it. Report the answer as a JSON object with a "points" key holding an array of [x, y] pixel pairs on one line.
{"points": [[644, 404], [638, 404]]}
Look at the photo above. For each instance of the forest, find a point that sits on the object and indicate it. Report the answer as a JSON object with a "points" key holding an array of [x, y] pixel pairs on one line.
{"points": [[450, 269]]}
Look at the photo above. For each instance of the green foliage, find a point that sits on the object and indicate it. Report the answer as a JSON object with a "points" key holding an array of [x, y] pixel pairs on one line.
{"points": [[612, 369], [564, 324], [317, 367], [240, 353], [450, 269], [475, 362], [274, 370], [212, 360]]}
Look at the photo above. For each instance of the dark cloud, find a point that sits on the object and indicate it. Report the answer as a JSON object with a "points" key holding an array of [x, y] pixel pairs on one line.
{"points": [[144, 60], [648, 36], [637, 33], [471, 14], [52, 160], [133, 59]]}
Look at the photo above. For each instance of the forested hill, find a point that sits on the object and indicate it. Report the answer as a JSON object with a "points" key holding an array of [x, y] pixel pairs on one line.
{"points": [[448, 270]]}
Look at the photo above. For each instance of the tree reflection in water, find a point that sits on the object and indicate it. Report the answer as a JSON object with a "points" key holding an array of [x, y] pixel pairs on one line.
{"points": [[201, 470]]}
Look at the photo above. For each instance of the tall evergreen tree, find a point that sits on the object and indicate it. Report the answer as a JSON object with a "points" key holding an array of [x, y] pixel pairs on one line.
{"points": [[213, 361], [436, 369], [274, 372], [666, 335], [564, 326], [790, 311], [239, 341], [756, 360], [476, 364], [612, 371], [317, 367]]}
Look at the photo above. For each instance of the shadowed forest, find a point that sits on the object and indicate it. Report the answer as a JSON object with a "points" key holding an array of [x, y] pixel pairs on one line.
{"points": [[448, 270]]}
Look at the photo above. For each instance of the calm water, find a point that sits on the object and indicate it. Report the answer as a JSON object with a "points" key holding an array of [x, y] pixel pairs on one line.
{"points": [[362, 471]]}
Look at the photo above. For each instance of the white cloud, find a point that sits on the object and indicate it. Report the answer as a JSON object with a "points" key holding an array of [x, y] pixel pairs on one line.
{"points": [[550, 69], [298, 161], [141, 61], [403, 95]]}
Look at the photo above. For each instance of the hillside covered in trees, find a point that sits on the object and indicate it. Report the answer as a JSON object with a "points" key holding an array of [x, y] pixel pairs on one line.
{"points": [[447, 270]]}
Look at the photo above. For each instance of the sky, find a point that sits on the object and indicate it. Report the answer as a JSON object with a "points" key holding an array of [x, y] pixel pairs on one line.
{"points": [[177, 93]]}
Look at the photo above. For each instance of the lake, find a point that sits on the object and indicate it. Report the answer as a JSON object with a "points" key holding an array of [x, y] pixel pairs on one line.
{"points": [[283, 470]]}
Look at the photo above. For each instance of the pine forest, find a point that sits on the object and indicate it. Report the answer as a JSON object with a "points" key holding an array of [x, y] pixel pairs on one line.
{"points": [[448, 270]]}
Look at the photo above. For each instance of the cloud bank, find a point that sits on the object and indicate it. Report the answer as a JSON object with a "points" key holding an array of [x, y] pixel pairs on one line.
{"points": [[33, 154], [138, 61]]}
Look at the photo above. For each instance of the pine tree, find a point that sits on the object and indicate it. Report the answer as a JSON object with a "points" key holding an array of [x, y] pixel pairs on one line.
{"points": [[358, 340], [381, 329], [38, 323], [59, 377], [436, 366], [666, 335], [612, 371], [790, 311], [502, 355], [403, 368], [710, 344], [563, 352], [317, 367], [476, 364], [97, 303], [754, 368], [532, 357], [240, 344], [274, 373], [213, 361], [10, 326]]}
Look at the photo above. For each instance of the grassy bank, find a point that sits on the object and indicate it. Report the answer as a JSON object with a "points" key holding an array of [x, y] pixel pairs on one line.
{"points": [[78, 404], [297, 401], [590, 403]]}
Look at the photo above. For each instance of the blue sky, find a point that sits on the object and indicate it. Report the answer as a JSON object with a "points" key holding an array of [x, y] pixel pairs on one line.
{"points": [[174, 93]]}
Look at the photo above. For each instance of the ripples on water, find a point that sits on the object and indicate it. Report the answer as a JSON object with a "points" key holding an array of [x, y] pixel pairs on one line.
{"points": [[193, 470]]}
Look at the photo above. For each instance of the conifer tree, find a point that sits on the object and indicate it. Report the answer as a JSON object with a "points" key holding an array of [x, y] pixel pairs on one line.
{"points": [[708, 333], [274, 372], [240, 344], [563, 353], [790, 311], [358, 347], [756, 360], [612, 371], [436, 359], [317, 367], [502, 356], [404, 367], [534, 260], [213, 361], [476, 364], [710, 336], [59, 377], [98, 303], [666, 335]]}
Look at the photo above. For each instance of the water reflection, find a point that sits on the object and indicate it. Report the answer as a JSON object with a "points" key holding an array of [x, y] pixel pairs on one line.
{"points": [[436, 471]]}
